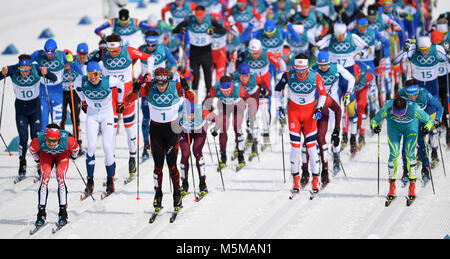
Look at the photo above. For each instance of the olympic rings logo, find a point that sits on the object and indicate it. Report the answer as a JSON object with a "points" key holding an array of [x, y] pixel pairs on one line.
{"points": [[117, 62], [271, 42], [158, 58], [66, 77], [124, 30], [403, 119], [25, 80], [163, 98], [328, 80], [342, 46], [54, 64], [242, 17], [200, 27], [426, 60], [180, 13], [301, 87], [308, 23], [256, 63], [366, 38], [95, 95]]}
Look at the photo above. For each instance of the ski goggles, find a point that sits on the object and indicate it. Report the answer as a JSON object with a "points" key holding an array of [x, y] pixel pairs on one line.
{"points": [[412, 90], [424, 48], [241, 4], [95, 73], [151, 41], [124, 22], [113, 46], [24, 68]]}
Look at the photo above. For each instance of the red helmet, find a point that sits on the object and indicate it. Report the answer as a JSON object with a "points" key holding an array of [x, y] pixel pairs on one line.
{"points": [[161, 76], [436, 37], [52, 131]]}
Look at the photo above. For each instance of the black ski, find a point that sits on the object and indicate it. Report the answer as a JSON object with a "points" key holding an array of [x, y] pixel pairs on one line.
{"points": [[58, 227], [239, 167], [105, 195], [154, 215], [313, 194], [37, 228], [200, 196], [294, 193], [410, 200], [18, 179], [389, 200], [129, 179], [175, 214]]}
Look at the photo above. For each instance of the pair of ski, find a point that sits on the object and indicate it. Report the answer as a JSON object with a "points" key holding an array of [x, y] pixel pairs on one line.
{"points": [[55, 229], [18, 179], [409, 200], [237, 168], [313, 193], [176, 209]]}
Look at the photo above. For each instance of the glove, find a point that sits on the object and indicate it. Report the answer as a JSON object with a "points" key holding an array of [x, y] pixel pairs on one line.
{"points": [[263, 91], [347, 98], [233, 56], [120, 107], [436, 124], [137, 85], [281, 114], [69, 57], [210, 31], [250, 26], [377, 129], [317, 114], [214, 132], [84, 106], [184, 83], [425, 130], [335, 137]]}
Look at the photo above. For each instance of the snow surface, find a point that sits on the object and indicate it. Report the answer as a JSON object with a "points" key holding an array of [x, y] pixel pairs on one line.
{"points": [[255, 204]]}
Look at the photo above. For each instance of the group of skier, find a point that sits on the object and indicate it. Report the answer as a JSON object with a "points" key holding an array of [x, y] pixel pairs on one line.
{"points": [[335, 62]]}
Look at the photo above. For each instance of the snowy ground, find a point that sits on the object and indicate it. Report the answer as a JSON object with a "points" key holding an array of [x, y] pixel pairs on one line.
{"points": [[255, 204]]}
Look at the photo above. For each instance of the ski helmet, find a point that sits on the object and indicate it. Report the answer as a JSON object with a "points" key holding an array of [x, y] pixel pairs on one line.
{"points": [[52, 131], [161, 76], [323, 58], [254, 46], [243, 69]]}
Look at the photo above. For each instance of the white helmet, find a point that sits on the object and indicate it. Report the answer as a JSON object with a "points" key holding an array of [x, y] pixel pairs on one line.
{"points": [[152, 20], [340, 28], [254, 46], [424, 42]]}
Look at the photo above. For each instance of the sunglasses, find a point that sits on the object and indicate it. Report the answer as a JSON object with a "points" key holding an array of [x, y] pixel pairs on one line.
{"points": [[24, 69], [96, 73], [152, 45], [113, 50], [125, 22]]}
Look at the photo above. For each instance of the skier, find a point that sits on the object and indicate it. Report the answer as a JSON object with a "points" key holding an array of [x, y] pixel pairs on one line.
{"points": [[193, 120], [25, 78], [423, 98], [95, 91], [243, 13], [179, 10], [164, 98], [230, 96], [303, 114], [118, 62], [200, 28], [70, 97], [125, 26], [403, 118], [55, 61], [53, 147], [332, 73]]}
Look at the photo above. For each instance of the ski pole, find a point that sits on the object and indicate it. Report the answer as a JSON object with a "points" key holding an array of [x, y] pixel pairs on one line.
{"points": [[1, 116], [192, 164], [282, 154], [343, 170], [50, 111], [82, 178], [137, 168], [209, 148], [442, 157], [75, 126], [220, 169], [426, 152], [378, 178]]}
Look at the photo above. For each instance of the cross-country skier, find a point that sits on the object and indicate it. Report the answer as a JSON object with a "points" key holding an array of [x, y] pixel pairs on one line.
{"points": [[243, 13], [424, 99], [26, 78], [55, 61], [53, 147], [118, 62], [303, 114], [95, 91], [164, 98], [403, 117]]}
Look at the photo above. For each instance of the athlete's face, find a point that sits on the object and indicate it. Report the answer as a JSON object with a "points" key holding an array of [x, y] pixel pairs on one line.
{"points": [[151, 47], [372, 19], [362, 29], [83, 57], [425, 52], [25, 71], [52, 143], [324, 67], [413, 97], [94, 77], [340, 36], [114, 52], [241, 6], [179, 3], [199, 19], [302, 73], [162, 88], [244, 78], [305, 10], [387, 8], [256, 55]]}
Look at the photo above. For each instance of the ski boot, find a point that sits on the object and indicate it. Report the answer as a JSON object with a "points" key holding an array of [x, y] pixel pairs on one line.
{"points": [[353, 146], [89, 186], [296, 185], [249, 140], [405, 177], [391, 195], [324, 177], [336, 163], [361, 140], [22, 168], [266, 141], [41, 216], [305, 177], [202, 186], [412, 189], [254, 150], [109, 185], [434, 157], [132, 167], [223, 160], [184, 187], [177, 199], [315, 184], [344, 140], [145, 154], [158, 199], [425, 174], [241, 160], [62, 216]]}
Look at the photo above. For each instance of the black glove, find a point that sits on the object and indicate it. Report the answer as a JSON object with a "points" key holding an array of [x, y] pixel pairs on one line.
{"points": [[214, 132], [377, 129], [210, 31], [120, 107], [263, 91], [84, 106], [424, 130], [436, 124], [137, 85], [184, 83], [335, 137]]}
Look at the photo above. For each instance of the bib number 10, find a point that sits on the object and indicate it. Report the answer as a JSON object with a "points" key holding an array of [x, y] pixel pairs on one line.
{"points": [[27, 94]]}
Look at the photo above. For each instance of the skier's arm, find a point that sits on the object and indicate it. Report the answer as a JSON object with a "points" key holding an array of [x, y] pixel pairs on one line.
{"points": [[34, 149], [218, 28], [49, 75], [9, 71], [424, 117], [99, 29], [73, 146], [171, 60], [381, 115], [401, 56], [263, 84], [180, 26], [433, 101], [164, 10], [348, 76], [188, 94], [320, 86], [77, 83], [116, 83], [136, 54], [280, 87], [336, 108]]}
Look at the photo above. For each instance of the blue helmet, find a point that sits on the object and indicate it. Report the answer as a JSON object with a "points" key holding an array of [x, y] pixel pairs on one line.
{"points": [[323, 58], [50, 45], [269, 27], [243, 69], [93, 67], [82, 48]]}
